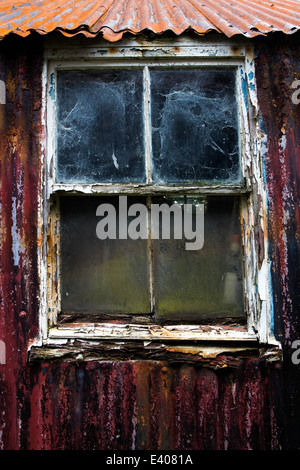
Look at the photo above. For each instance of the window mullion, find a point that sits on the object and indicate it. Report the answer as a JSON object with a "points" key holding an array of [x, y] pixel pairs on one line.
{"points": [[151, 279], [147, 125], [148, 166]]}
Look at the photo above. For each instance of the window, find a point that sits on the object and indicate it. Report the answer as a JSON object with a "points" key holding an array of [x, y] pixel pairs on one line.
{"points": [[153, 195]]}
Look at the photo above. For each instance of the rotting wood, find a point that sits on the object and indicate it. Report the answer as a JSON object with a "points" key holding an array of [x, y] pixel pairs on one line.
{"points": [[150, 332], [215, 357], [99, 317]]}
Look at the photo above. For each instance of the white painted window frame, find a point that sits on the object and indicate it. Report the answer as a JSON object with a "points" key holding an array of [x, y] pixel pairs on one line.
{"points": [[180, 52]]}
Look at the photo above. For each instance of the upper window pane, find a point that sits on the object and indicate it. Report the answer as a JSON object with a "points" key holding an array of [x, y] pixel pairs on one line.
{"points": [[100, 130], [194, 126]]}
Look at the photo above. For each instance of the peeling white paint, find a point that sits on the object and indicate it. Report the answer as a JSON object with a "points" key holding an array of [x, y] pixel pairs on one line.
{"points": [[149, 332]]}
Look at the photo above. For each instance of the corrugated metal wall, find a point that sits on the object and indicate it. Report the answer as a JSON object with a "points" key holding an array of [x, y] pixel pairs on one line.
{"points": [[151, 404]]}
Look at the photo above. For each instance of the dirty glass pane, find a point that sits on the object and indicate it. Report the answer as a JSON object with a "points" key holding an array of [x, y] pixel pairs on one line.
{"points": [[100, 136], [194, 126], [97, 275], [205, 283]]}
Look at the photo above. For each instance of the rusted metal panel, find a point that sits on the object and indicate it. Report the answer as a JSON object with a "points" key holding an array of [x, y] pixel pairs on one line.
{"points": [[20, 69], [145, 405], [277, 69], [234, 403], [113, 19], [282, 158]]}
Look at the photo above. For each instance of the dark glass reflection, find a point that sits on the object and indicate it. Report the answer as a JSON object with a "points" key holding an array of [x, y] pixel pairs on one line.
{"points": [[194, 126], [100, 126]]}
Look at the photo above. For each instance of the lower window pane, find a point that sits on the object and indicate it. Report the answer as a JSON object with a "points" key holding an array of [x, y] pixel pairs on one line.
{"points": [[204, 283], [99, 275], [196, 259]]}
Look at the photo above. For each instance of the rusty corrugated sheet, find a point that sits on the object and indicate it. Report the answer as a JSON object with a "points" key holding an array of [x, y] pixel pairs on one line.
{"points": [[112, 18], [121, 405]]}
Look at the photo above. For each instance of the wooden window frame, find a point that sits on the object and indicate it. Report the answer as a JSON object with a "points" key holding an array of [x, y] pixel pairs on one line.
{"points": [[170, 52]]}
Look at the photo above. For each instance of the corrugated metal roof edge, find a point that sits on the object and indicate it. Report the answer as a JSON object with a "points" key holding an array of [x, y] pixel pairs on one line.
{"points": [[115, 36], [112, 36]]}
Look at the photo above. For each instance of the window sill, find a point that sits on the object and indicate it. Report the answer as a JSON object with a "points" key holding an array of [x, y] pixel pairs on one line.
{"points": [[210, 346], [153, 332]]}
